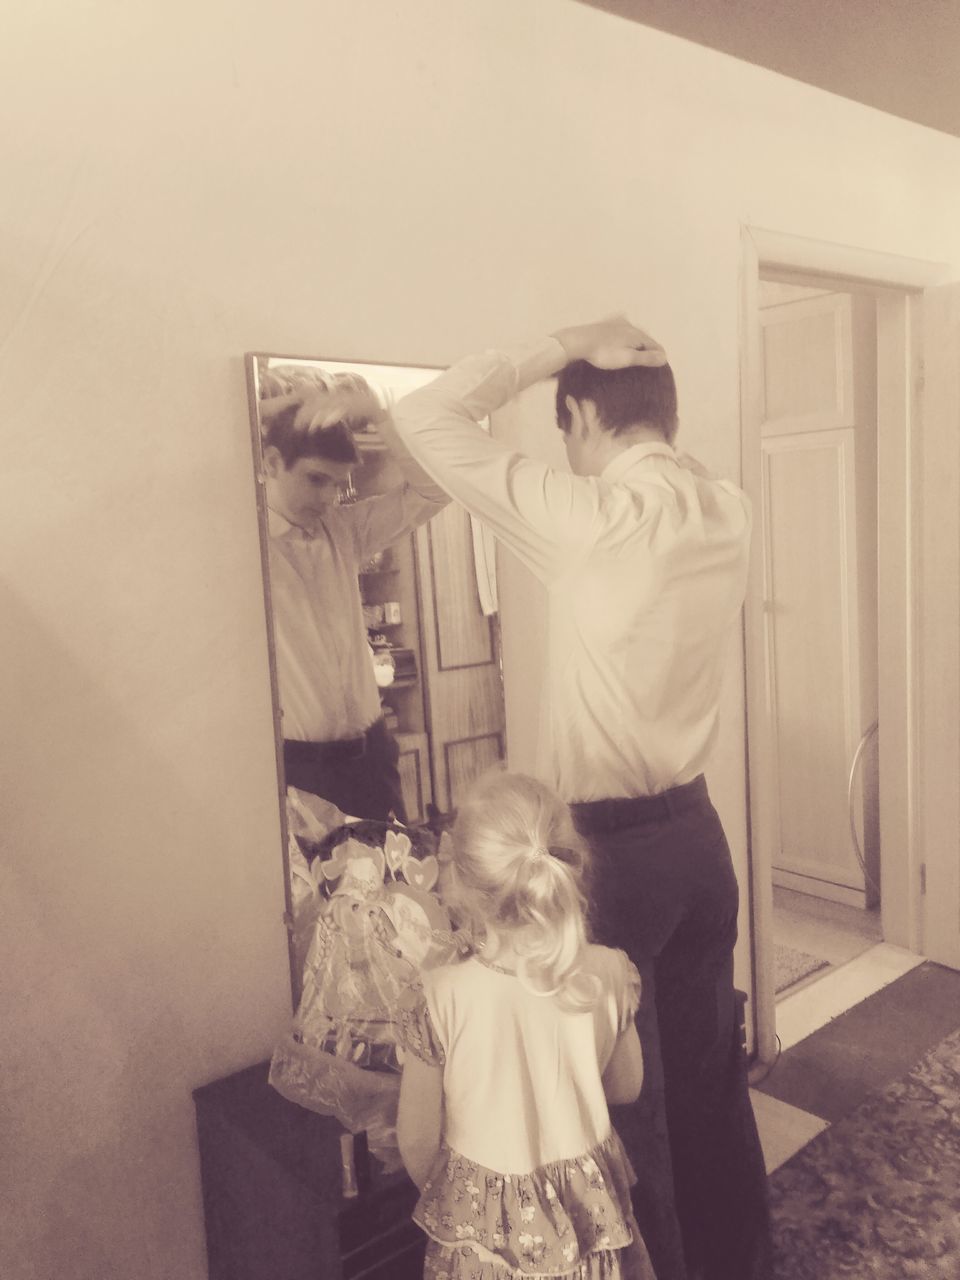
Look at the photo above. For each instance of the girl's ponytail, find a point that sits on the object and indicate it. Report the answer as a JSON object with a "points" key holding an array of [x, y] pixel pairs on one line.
{"points": [[520, 869]]}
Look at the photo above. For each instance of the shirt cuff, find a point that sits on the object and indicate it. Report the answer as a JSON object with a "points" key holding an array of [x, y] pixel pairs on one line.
{"points": [[536, 361]]}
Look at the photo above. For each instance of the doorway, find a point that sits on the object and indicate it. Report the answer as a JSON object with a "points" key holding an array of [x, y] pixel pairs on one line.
{"points": [[817, 528], [831, 633]]}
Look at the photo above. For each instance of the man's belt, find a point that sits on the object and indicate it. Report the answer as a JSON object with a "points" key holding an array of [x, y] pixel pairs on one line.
{"points": [[307, 755], [595, 816]]}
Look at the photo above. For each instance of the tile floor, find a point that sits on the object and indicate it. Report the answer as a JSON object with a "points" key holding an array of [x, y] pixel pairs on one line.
{"points": [[809, 1005], [837, 935], [784, 1129], [845, 937]]}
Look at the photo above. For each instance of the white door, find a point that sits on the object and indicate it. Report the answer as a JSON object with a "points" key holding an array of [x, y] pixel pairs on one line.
{"points": [[938, 710], [918, 543], [817, 524]]}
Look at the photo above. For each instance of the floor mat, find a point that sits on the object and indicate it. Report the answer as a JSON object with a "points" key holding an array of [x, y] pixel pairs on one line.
{"points": [[868, 1047], [791, 965]]}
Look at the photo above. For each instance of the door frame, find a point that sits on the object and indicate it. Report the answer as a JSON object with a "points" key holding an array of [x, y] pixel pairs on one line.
{"points": [[897, 284]]}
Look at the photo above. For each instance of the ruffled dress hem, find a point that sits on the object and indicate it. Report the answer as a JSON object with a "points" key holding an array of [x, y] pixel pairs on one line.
{"points": [[552, 1222]]}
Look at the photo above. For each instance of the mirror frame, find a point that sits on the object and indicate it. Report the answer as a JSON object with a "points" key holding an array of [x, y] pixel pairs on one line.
{"points": [[252, 364]]}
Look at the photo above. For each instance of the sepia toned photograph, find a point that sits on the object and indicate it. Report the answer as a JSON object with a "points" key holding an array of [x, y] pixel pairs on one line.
{"points": [[480, 794]]}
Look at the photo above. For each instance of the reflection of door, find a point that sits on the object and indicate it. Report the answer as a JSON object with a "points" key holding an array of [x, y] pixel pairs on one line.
{"points": [[461, 658], [818, 451]]}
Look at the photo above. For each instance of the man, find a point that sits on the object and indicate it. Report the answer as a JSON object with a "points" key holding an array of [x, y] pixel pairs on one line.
{"points": [[645, 560], [335, 741]]}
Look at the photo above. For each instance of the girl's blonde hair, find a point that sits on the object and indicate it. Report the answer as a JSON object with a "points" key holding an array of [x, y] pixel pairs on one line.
{"points": [[519, 871]]}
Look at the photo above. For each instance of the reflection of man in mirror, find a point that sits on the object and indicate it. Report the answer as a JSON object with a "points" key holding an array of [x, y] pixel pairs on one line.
{"points": [[335, 741], [644, 557]]}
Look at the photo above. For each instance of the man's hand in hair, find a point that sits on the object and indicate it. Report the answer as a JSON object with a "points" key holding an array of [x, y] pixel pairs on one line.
{"points": [[613, 343], [356, 403]]}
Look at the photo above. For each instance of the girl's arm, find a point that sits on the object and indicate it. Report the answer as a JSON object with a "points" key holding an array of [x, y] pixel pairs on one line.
{"points": [[420, 1117], [623, 1074]]}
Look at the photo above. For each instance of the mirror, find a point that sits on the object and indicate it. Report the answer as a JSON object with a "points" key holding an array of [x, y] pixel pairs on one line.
{"points": [[381, 618]]}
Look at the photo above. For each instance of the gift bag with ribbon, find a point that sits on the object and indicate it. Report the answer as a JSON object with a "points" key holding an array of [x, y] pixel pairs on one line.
{"points": [[378, 922]]}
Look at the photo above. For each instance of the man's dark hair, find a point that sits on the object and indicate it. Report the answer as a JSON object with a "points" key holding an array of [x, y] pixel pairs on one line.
{"points": [[295, 441], [624, 398]]}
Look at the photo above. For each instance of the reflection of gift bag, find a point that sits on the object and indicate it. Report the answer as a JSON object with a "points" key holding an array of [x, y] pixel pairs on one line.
{"points": [[310, 820], [378, 923]]}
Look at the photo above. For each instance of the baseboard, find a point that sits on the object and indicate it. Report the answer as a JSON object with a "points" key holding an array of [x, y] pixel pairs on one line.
{"points": [[820, 888]]}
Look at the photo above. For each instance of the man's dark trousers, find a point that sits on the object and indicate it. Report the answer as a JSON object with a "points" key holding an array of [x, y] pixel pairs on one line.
{"points": [[664, 891], [359, 775]]}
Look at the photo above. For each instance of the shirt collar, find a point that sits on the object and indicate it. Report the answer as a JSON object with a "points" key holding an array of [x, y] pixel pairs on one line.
{"points": [[279, 526], [622, 463]]}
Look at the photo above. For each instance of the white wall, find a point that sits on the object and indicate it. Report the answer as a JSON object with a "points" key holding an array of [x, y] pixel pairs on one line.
{"points": [[365, 179]]}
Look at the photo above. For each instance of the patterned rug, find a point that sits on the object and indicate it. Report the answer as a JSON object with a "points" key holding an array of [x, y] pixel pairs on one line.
{"points": [[877, 1195], [791, 965]]}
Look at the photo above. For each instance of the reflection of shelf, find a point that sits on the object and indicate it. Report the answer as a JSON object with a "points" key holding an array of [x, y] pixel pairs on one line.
{"points": [[378, 639], [373, 573], [406, 663], [405, 682]]}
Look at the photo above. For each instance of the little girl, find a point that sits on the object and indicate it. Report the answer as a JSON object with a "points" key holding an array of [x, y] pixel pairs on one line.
{"points": [[511, 1056]]}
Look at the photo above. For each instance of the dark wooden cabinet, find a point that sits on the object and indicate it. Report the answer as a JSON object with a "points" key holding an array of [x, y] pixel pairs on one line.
{"points": [[272, 1193]]}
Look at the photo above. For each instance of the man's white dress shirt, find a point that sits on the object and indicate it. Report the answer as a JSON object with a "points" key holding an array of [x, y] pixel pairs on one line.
{"points": [[324, 669], [645, 568]]}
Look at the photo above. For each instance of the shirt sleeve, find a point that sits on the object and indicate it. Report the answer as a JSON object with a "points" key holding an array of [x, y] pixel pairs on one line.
{"points": [[373, 523], [543, 514], [415, 1029]]}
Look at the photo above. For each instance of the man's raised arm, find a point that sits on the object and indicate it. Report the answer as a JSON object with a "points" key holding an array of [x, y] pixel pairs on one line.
{"points": [[537, 510]]}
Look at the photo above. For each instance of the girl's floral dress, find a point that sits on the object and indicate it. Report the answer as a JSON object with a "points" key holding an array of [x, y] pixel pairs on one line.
{"points": [[570, 1218]]}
